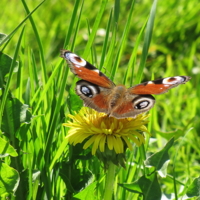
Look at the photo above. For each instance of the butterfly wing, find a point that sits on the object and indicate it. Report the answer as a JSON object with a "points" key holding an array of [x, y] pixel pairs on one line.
{"points": [[138, 98], [100, 93], [133, 105], [159, 86], [85, 70], [114, 102], [94, 96]]}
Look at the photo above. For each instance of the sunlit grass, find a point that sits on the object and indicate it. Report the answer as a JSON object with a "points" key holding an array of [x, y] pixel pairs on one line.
{"points": [[47, 166]]}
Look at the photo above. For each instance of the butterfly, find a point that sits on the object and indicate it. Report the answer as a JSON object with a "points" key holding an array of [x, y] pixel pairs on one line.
{"points": [[100, 93]]}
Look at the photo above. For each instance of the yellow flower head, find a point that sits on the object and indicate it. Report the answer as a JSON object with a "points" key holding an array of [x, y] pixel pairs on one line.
{"points": [[103, 132]]}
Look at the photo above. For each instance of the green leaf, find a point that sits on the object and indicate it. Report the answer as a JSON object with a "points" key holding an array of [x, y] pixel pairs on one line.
{"points": [[160, 159], [15, 113], [147, 186], [168, 135], [5, 64], [7, 86], [9, 179], [132, 187], [6, 149], [150, 187], [2, 37], [193, 190], [87, 193]]}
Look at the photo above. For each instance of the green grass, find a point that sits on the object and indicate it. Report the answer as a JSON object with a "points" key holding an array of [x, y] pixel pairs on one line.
{"points": [[139, 43]]}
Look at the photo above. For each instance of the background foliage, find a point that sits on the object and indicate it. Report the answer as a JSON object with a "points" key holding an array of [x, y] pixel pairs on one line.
{"points": [[36, 96]]}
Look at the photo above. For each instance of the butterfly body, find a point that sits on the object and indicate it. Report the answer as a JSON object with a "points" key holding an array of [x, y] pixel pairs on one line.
{"points": [[100, 93]]}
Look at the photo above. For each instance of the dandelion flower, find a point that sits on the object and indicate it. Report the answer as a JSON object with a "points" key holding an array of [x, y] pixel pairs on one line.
{"points": [[101, 132]]}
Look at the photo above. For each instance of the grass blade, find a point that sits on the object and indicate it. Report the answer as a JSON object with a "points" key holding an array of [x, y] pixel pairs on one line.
{"points": [[147, 40], [94, 29]]}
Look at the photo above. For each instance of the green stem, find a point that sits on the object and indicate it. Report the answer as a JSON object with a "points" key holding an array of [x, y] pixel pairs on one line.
{"points": [[110, 178]]}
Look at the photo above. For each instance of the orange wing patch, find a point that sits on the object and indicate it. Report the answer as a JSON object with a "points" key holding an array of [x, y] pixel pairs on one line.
{"points": [[100, 101], [150, 89], [124, 108], [93, 76]]}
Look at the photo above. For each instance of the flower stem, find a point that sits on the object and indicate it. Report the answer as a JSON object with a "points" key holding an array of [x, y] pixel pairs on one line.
{"points": [[110, 178]]}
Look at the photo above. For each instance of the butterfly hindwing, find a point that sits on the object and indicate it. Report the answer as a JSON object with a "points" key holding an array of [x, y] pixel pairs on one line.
{"points": [[133, 105], [93, 95]]}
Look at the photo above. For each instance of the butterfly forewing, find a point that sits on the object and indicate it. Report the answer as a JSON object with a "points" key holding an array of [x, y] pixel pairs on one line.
{"points": [[159, 86], [85, 70]]}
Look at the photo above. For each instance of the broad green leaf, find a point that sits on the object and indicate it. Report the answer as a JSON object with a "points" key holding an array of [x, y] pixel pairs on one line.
{"points": [[14, 114], [9, 179], [147, 186], [150, 187], [194, 188], [5, 64], [88, 193], [132, 187], [6, 149], [159, 159], [8, 82], [168, 135]]}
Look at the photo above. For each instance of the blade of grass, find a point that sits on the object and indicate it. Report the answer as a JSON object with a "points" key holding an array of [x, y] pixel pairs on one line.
{"points": [[71, 23], [77, 27], [123, 41], [147, 40], [45, 89], [105, 43], [95, 28], [44, 73], [50, 80], [132, 61], [71, 30], [116, 11], [58, 154], [93, 51], [52, 126], [109, 57]]}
